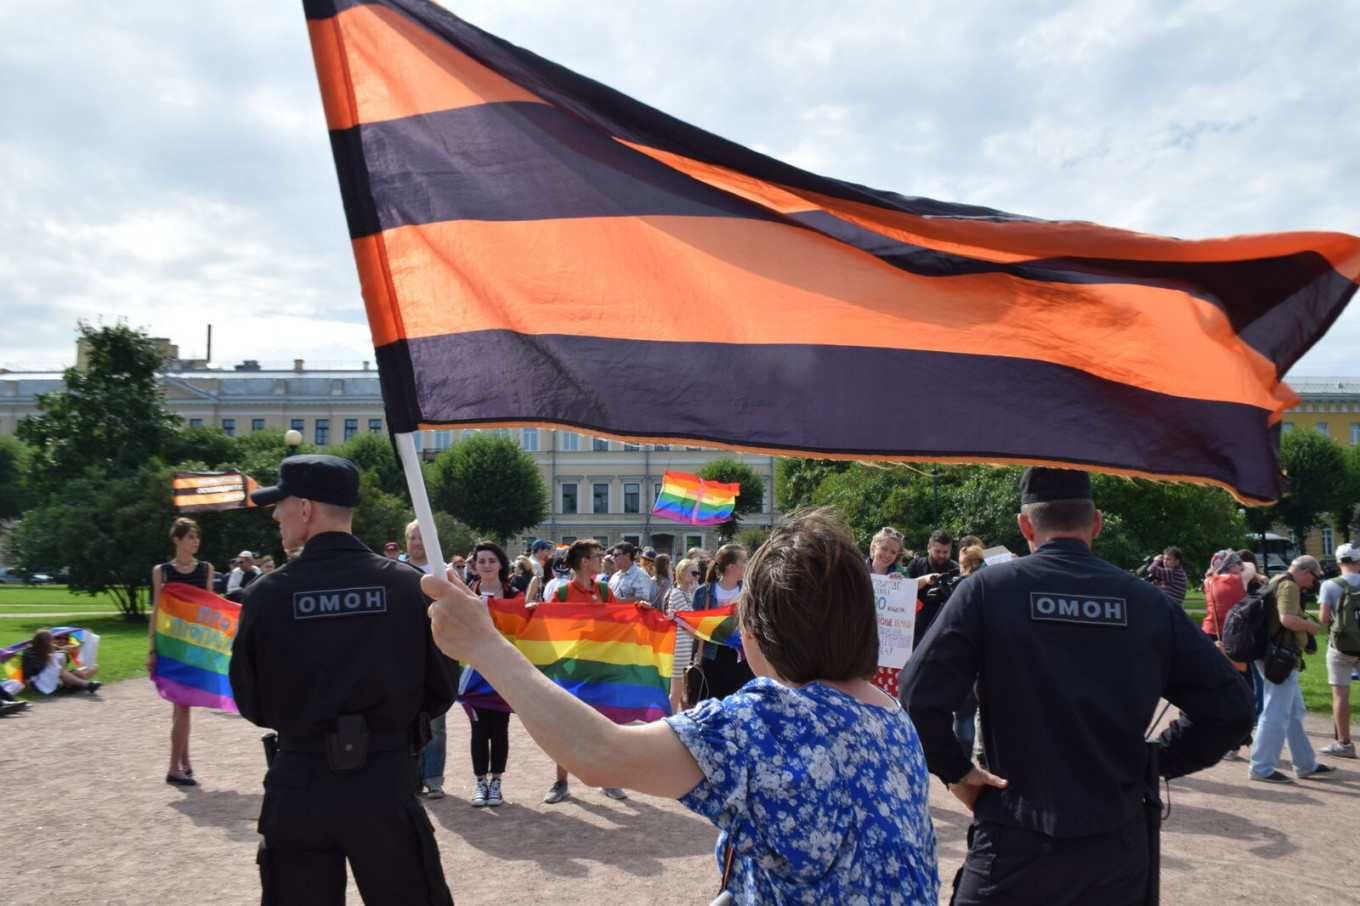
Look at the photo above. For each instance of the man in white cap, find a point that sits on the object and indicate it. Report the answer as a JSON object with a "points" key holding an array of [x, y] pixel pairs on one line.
{"points": [[243, 573], [1339, 608]]}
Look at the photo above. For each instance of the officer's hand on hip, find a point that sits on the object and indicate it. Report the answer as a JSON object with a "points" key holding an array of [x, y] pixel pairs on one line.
{"points": [[970, 787], [460, 621]]}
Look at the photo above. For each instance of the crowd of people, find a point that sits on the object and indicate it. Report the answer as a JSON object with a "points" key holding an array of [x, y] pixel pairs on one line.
{"points": [[816, 780]]}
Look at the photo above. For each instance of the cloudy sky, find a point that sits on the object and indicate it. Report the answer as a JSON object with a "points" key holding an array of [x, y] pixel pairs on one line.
{"points": [[167, 162]]}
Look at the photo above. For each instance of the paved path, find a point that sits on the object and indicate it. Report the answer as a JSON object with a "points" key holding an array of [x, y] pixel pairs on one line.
{"points": [[88, 819]]}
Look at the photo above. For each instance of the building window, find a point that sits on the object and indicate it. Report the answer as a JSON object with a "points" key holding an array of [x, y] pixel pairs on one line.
{"points": [[195, 423], [632, 497], [571, 441], [568, 540], [229, 427], [599, 445], [599, 498], [695, 449], [351, 428], [323, 432], [1328, 541], [1355, 432], [1286, 427], [257, 424], [693, 541], [442, 440], [1324, 429], [298, 425], [569, 497], [656, 493], [375, 426], [635, 540], [603, 539], [661, 448], [528, 439], [630, 448]]}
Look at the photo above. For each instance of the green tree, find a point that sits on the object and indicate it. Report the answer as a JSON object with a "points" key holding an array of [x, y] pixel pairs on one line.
{"points": [[749, 499], [15, 496], [111, 415], [1313, 464], [490, 484], [1347, 490], [1144, 517], [373, 453], [870, 496], [796, 479], [107, 531], [981, 500]]}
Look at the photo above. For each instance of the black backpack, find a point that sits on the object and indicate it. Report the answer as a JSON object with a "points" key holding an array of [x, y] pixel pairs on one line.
{"points": [[1246, 629]]}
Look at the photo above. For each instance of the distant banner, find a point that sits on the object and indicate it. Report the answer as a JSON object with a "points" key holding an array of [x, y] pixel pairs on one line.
{"points": [[195, 631], [895, 598], [201, 492]]}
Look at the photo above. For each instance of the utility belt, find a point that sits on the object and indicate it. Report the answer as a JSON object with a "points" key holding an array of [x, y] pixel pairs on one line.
{"points": [[347, 746]]}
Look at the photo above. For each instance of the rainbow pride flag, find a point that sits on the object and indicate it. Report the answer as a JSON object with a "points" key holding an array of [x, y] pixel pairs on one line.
{"points": [[614, 657], [718, 625], [11, 657], [693, 501], [561, 548], [195, 630]]}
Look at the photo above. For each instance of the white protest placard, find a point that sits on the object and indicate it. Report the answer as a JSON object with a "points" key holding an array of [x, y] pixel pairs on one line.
{"points": [[998, 554], [895, 598]]}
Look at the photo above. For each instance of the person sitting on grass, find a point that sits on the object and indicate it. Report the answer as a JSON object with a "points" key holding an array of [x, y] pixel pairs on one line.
{"points": [[44, 667], [815, 778]]}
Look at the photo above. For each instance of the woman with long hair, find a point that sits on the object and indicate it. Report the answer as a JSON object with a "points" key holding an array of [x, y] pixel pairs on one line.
{"points": [[681, 598], [490, 724], [725, 669], [44, 666], [184, 567], [662, 582]]}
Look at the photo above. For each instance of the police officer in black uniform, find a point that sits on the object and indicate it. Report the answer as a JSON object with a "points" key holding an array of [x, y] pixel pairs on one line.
{"points": [[1070, 656], [334, 652]]}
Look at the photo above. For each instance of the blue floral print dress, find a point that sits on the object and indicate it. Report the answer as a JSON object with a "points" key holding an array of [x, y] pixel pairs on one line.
{"points": [[824, 798]]}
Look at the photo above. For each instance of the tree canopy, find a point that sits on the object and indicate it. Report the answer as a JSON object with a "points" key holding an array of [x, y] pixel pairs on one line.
{"points": [[487, 482], [1316, 469], [749, 499]]}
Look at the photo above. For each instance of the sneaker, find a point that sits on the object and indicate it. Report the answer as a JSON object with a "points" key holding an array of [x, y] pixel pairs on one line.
{"points": [[1322, 770], [493, 795], [556, 793], [1272, 777], [1340, 750], [93, 686], [479, 798], [614, 792], [434, 792]]}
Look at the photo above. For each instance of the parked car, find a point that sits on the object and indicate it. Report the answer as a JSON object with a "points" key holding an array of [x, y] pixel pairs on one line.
{"points": [[48, 577], [10, 577]]}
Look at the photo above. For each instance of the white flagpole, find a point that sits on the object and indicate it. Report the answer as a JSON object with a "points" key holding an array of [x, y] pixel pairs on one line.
{"points": [[420, 499]]}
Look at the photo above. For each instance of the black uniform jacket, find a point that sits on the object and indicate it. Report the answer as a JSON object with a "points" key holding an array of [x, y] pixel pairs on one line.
{"points": [[339, 630], [1071, 656]]}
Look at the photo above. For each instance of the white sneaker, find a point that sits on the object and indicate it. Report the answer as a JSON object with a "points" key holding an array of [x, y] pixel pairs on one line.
{"points": [[556, 793], [614, 792], [493, 795], [479, 797], [434, 792], [1340, 749]]}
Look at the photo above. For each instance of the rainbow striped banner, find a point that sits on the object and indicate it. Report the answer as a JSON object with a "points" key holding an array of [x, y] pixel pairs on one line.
{"points": [[718, 625], [561, 548], [195, 630], [693, 501], [614, 657], [11, 657]]}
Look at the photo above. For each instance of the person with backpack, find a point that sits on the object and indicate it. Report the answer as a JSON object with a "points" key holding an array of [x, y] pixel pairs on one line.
{"points": [[1282, 714], [1225, 585], [1339, 602]]}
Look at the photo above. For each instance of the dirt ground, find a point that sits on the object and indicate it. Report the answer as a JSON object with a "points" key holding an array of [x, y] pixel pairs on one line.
{"points": [[87, 818]]}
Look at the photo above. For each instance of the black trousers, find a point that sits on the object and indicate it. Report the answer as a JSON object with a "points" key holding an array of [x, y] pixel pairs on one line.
{"points": [[490, 741], [724, 673], [1013, 866], [313, 820]]}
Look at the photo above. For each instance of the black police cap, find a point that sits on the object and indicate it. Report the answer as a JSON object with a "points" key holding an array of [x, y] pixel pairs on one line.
{"points": [[325, 479], [1042, 485]]}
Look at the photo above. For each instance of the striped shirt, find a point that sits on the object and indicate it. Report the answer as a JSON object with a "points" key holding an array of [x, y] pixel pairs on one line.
{"points": [[1171, 579]]}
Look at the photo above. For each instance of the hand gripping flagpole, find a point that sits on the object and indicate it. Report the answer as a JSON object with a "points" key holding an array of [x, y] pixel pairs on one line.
{"points": [[420, 499]]}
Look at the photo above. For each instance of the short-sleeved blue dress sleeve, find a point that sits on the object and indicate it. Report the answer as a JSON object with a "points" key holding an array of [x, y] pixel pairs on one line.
{"points": [[823, 798]]}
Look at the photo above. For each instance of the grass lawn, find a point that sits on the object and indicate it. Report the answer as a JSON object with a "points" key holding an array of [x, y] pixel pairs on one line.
{"points": [[21, 598], [122, 645]]}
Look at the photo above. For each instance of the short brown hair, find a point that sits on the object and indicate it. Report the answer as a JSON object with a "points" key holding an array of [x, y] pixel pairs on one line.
{"points": [[182, 527], [808, 602], [1073, 515], [580, 550]]}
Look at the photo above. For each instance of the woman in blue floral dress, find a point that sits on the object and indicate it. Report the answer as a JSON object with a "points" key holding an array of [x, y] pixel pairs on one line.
{"points": [[814, 777]]}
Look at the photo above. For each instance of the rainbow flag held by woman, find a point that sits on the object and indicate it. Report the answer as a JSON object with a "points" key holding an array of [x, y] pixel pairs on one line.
{"points": [[717, 625], [694, 501], [195, 630], [614, 657]]}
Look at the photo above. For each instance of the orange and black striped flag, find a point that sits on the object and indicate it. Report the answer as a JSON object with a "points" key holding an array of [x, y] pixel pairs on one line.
{"points": [[536, 248], [201, 492]]}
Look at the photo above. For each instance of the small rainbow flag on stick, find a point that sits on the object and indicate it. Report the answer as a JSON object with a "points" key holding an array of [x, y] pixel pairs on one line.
{"points": [[718, 625], [693, 501], [614, 657], [195, 630]]}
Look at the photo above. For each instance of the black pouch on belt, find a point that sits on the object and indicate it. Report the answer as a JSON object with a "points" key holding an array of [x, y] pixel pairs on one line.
{"points": [[347, 747]]}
